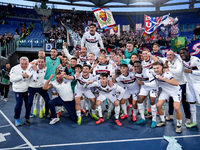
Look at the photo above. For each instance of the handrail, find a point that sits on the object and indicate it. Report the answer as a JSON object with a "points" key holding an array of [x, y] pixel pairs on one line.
{"points": [[17, 5]]}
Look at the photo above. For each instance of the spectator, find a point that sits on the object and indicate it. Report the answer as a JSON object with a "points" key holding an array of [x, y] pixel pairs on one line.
{"points": [[5, 82], [196, 32]]}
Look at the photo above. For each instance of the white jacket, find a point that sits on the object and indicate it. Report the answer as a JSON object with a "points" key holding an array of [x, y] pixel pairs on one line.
{"points": [[20, 84], [37, 78], [176, 68]]}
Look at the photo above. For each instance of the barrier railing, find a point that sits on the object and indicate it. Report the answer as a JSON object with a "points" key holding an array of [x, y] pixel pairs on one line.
{"points": [[8, 49]]}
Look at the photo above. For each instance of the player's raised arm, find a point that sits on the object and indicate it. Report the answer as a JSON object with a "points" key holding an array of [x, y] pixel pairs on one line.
{"points": [[47, 85], [171, 81]]}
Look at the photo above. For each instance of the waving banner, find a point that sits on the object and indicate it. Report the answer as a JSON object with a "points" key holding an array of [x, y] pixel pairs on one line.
{"points": [[194, 48], [152, 23], [104, 17], [138, 27], [177, 43], [174, 31], [115, 30]]}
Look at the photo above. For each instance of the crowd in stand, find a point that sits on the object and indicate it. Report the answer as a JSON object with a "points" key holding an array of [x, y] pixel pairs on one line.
{"points": [[5, 39], [74, 20]]}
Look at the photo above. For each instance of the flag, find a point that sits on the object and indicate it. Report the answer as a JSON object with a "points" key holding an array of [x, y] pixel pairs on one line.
{"points": [[164, 50], [138, 26], [104, 17], [152, 36], [177, 43], [194, 48], [174, 30], [67, 34], [126, 28], [115, 30], [152, 23]]}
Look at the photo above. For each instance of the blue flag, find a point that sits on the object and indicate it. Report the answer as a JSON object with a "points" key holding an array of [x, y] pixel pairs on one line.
{"points": [[194, 48]]}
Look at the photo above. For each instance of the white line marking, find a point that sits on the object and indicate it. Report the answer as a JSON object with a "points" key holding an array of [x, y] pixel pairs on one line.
{"points": [[2, 136], [22, 136], [4, 126], [115, 141], [20, 146], [102, 142]]}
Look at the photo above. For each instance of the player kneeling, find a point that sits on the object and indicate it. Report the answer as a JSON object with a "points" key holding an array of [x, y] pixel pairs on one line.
{"points": [[170, 88], [107, 91]]}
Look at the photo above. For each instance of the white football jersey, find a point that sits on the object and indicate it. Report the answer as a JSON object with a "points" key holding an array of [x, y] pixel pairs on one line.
{"points": [[104, 68], [91, 42], [83, 60], [81, 81], [107, 89], [147, 64], [166, 87], [90, 64], [194, 65], [129, 82], [147, 77]]}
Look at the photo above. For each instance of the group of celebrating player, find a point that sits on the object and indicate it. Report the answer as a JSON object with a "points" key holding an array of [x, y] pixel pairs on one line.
{"points": [[119, 80]]}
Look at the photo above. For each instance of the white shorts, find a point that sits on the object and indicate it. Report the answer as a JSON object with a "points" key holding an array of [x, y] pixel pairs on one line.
{"points": [[153, 92], [193, 92], [128, 94], [111, 96], [86, 93], [177, 97]]}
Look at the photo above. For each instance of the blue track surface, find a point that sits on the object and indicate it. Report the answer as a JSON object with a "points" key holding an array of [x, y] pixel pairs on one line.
{"points": [[68, 135]]}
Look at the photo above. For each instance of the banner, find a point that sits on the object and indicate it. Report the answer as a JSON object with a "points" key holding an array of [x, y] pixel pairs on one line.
{"points": [[138, 27], [152, 23], [126, 28], [152, 36], [177, 43], [104, 17], [115, 30], [194, 48], [174, 30], [67, 34], [48, 47]]}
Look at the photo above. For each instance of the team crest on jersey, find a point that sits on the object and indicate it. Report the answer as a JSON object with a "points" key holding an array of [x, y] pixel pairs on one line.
{"points": [[142, 76], [130, 77], [106, 67], [17, 95], [103, 16], [107, 89]]}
